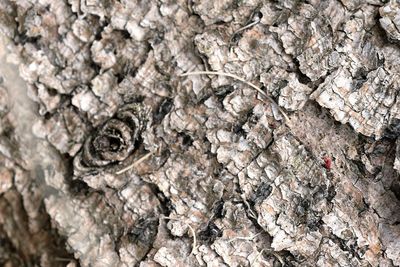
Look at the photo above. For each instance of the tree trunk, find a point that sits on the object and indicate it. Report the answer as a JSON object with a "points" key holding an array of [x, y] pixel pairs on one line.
{"points": [[200, 133]]}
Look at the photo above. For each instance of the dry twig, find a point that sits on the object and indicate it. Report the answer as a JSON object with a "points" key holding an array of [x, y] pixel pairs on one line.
{"points": [[194, 245], [272, 101], [134, 164]]}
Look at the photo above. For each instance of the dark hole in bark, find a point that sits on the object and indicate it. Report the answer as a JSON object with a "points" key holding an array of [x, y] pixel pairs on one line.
{"points": [[222, 91], [395, 188], [331, 193], [121, 76], [164, 108], [220, 22], [98, 36], [302, 207], [185, 139], [360, 166], [96, 68], [47, 116], [218, 209], [238, 129], [144, 231], [258, 14], [360, 79], [125, 34], [343, 245], [22, 39], [78, 187], [210, 233], [314, 224], [108, 143], [393, 130], [166, 205], [52, 92], [304, 79], [263, 191]]}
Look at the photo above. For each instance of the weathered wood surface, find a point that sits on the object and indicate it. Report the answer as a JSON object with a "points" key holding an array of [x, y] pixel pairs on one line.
{"points": [[117, 160]]}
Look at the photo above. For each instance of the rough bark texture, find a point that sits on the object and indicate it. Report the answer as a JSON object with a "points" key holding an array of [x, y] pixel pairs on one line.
{"points": [[130, 164]]}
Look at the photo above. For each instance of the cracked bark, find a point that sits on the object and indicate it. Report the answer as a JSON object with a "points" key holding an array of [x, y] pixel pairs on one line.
{"points": [[117, 160]]}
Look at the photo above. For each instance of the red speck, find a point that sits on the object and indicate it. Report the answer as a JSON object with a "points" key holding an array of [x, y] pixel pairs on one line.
{"points": [[327, 163]]}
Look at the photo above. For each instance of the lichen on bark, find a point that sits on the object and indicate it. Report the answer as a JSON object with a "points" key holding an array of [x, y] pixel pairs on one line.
{"points": [[139, 166]]}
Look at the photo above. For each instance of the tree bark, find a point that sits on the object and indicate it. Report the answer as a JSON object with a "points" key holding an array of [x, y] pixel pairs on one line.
{"points": [[284, 151]]}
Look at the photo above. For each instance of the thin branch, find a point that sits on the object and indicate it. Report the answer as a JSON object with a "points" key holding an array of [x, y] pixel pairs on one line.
{"points": [[248, 25], [243, 81], [194, 245], [257, 257], [135, 163], [249, 238], [257, 20]]}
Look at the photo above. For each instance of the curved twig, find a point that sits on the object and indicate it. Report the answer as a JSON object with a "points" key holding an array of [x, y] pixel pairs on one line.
{"points": [[194, 245], [272, 101], [135, 163]]}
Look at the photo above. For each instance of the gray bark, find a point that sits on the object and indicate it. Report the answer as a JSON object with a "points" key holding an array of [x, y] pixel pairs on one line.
{"points": [[118, 160]]}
